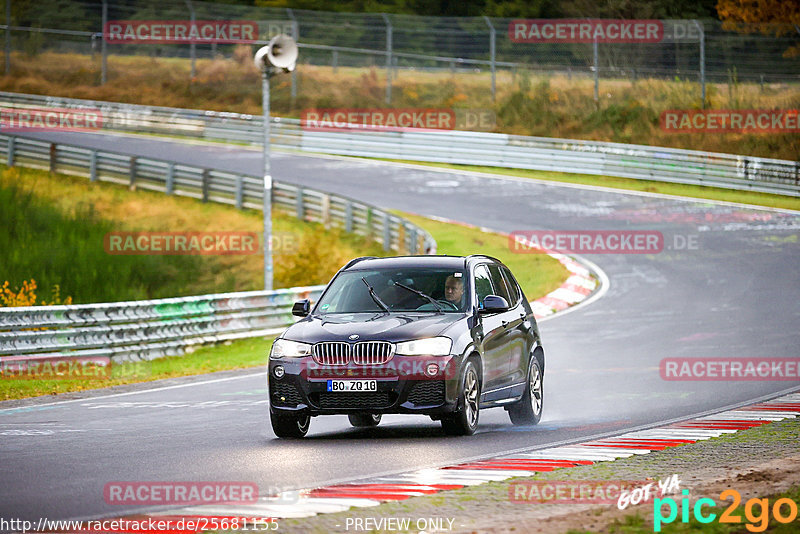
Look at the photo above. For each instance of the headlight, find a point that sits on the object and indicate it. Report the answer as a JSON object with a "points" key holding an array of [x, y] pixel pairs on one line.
{"points": [[283, 348], [432, 346]]}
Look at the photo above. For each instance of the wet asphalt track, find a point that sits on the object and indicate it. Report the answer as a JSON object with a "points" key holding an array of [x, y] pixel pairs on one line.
{"points": [[736, 294]]}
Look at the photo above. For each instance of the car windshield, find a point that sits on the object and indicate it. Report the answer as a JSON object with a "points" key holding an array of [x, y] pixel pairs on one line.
{"points": [[399, 290]]}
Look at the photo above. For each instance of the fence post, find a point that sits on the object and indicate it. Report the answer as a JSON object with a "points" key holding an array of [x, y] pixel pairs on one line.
{"points": [[103, 49], [206, 184], [170, 178], [93, 166], [387, 232], [239, 191], [414, 243], [299, 208], [296, 37], [595, 54], [53, 157], [335, 60], [132, 175], [348, 217], [388, 58], [192, 46], [12, 145], [702, 61], [492, 37], [8, 37]]}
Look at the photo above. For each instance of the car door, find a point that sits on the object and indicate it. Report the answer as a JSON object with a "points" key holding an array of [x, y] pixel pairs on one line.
{"points": [[524, 335], [492, 340], [513, 339]]}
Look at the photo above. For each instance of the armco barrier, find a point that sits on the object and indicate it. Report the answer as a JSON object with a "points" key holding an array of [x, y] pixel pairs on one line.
{"points": [[730, 171], [143, 330], [206, 184]]}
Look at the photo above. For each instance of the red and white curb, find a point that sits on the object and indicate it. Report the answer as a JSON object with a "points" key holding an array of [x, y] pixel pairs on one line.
{"points": [[374, 491], [586, 277]]}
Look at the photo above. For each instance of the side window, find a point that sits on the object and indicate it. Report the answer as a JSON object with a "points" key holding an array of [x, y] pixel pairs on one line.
{"points": [[500, 284], [483, 284], [513, 287]]}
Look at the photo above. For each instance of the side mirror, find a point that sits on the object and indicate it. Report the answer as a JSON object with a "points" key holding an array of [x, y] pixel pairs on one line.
{"points": [[301, 308], [494, 304]]}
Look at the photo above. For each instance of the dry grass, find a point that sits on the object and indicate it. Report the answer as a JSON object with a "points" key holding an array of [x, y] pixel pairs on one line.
{"points": [[552, 106]]}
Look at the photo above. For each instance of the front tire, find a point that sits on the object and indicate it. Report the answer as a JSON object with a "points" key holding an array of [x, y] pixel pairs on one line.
{"points": [[464, 421], [528, 411], [290, 426], [364, 420]]}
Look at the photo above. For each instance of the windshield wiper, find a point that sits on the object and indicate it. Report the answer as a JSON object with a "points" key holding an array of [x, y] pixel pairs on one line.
{"points": [[375, 297], [423, 295]]}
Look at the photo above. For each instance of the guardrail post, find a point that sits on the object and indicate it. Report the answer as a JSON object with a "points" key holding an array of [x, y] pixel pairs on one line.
{"points": [[300, 209], [239, 191], [53, 157], [170, 178], [348, 217], [335, 61], [387, 232], [132, 175], [413, 241], [12, 142], [326, 210], [205, 182], [93, 166]]}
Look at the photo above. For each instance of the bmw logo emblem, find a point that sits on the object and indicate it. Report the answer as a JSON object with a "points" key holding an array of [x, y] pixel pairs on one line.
{"points": [[353, 336]]}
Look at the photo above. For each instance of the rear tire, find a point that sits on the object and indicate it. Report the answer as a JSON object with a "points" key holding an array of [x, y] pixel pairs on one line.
{"points": [[464, 420], [290, 426], [528, 411], [364, 420]]}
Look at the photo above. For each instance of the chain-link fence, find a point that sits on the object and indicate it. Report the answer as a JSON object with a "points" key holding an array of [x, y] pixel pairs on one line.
{"points": [[697, 51]]}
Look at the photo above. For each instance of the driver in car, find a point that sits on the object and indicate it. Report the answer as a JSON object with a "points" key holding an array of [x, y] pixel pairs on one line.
{"points": [[454, 291]]}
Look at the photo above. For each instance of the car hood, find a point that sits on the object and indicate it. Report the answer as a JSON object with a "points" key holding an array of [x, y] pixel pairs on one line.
{"points": [[371, 326]]}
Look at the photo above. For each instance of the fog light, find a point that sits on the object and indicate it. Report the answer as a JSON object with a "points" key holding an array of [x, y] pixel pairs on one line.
{"points": [[432, 369], [278, 371]]}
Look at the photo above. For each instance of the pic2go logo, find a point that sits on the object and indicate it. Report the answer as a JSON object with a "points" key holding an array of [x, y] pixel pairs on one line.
{"points": [[783, 510]]}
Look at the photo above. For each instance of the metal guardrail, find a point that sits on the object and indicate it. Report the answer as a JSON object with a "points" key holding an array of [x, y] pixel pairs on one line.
{"points": [[143, 330], [395, 233], [748, 173]]}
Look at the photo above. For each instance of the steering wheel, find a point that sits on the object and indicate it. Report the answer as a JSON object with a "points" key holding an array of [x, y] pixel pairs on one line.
{"points": [[428, 306], [453, 307]]}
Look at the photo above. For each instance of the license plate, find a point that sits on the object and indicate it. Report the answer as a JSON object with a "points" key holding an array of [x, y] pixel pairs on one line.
{"points": [[352, 385]]}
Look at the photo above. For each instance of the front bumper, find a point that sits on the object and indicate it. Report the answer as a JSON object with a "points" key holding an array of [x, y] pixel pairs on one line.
{"points": [[403, 386]]}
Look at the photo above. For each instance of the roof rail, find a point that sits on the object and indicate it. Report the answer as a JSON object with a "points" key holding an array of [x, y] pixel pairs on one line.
{"points": [[356, 260]]}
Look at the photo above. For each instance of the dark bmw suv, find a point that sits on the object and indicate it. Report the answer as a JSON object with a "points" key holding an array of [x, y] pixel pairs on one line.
{"points": [[442, 336]]}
